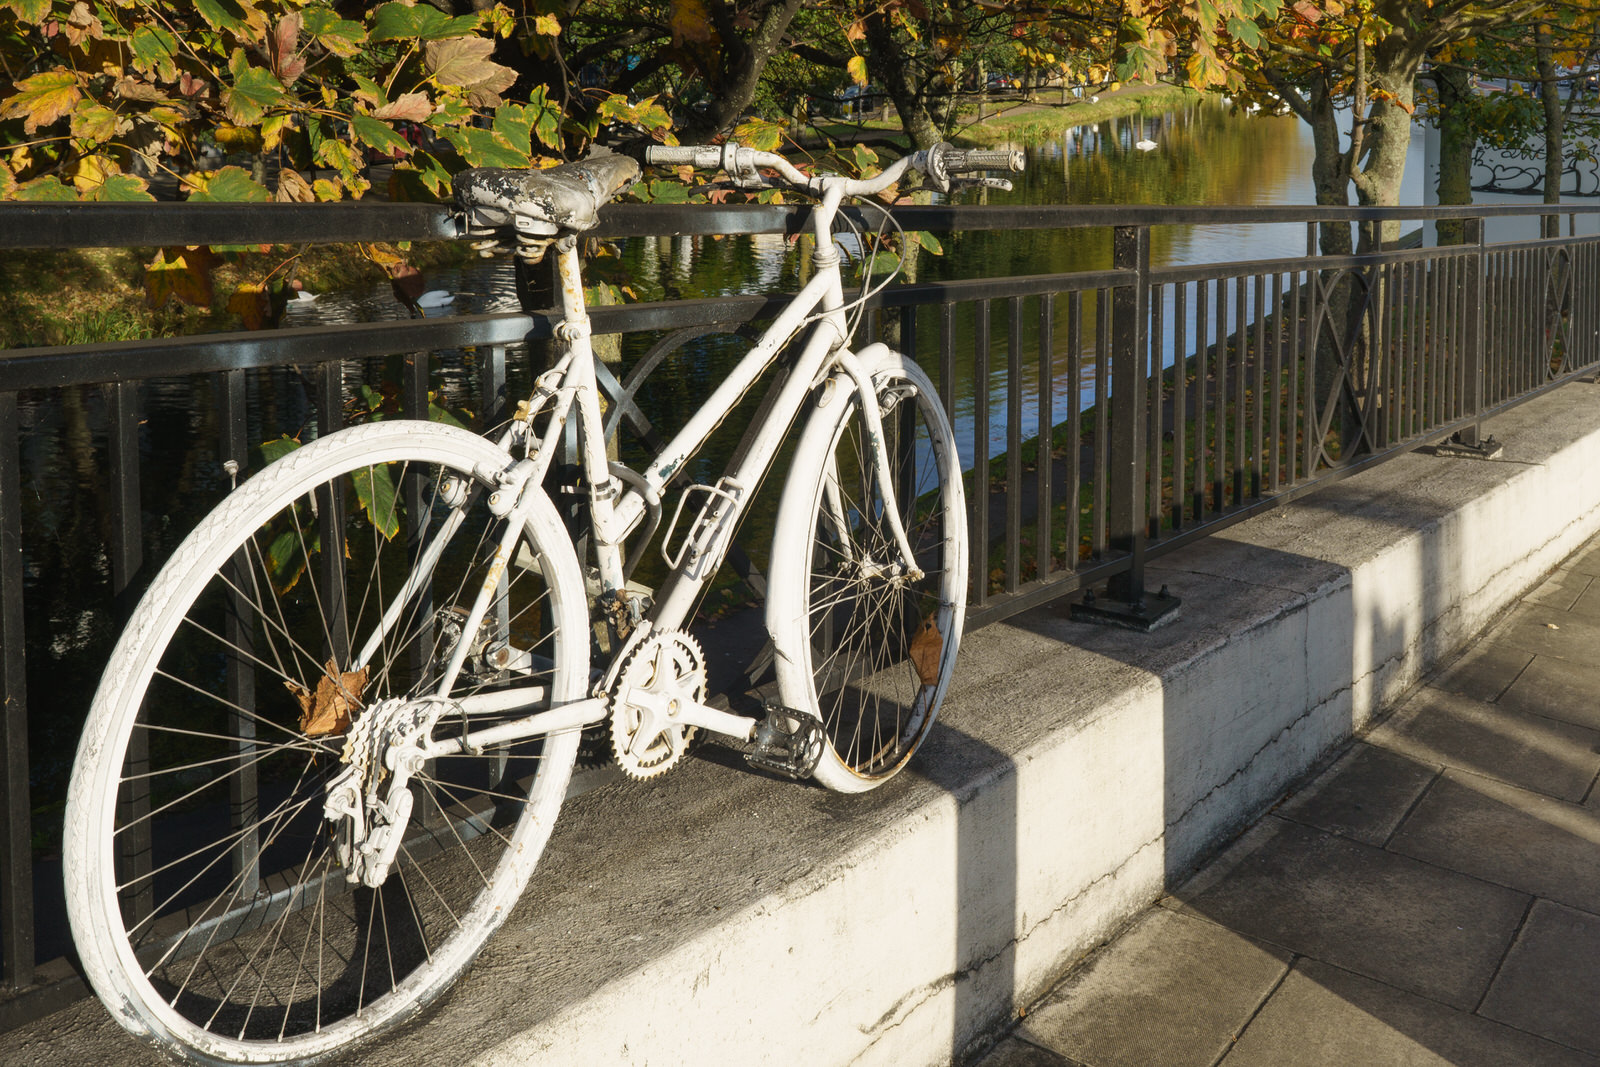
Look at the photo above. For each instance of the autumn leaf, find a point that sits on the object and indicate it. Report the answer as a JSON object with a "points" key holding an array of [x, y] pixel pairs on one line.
{"points": [[342, 37], [857, 69], [182, 274], [464, 61], [94, 122], [397, 21], [408, 107], [254, 90], [379, 135], [230, 185], [153, 51], [30, 11], [690, 22], [47, 188], [252, 304], [285, 41], [42, 99], [293, 188]]}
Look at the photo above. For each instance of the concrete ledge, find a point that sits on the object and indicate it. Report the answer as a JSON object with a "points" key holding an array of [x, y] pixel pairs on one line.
{"points": [[716, 916]]}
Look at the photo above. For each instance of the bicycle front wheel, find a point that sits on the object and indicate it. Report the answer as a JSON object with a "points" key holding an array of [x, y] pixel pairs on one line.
{"points": [[214, 899], [862, 643]]}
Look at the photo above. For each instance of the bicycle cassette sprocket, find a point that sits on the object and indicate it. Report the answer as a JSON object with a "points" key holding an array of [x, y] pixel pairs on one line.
{"points": [[665, 667]]}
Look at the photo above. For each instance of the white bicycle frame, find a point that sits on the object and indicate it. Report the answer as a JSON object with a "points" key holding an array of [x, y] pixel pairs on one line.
{"points": [[617, 506]]}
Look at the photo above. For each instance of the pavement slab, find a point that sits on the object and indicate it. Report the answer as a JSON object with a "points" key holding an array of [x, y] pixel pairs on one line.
{"points": [[1586, 560], [1324, 1015], [1545, 631], [1416, 926], [1532, 751], [1483, 672], [1558, 689], [1363, 796], [1550, 982], [1176, 991], [1512, 837], [1561, 589], [1014, 1052]]}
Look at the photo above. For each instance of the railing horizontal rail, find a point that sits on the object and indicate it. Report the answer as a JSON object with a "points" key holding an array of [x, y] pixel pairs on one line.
{"points": [[67, 225]]}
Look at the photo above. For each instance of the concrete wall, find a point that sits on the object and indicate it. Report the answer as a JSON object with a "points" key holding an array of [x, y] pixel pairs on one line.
{"points": [[714, 916]]}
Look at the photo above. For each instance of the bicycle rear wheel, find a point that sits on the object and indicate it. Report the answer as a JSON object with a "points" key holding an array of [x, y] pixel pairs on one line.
{"points": [[867, 651], [205, 885]]}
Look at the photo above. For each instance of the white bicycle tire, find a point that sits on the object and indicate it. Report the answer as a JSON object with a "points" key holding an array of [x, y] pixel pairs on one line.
{"points": [[89, 864], [791, 613]]}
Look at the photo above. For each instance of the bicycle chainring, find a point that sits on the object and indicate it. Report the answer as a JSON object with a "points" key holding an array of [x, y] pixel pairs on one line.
{"points": [[665, 667]]}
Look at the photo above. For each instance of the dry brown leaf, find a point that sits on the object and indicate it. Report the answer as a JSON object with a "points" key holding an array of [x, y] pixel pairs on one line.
{"points": [[327, 711], [927, 647]]}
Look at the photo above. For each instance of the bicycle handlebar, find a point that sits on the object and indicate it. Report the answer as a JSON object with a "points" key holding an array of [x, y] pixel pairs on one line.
{"points": [[938, 163]]}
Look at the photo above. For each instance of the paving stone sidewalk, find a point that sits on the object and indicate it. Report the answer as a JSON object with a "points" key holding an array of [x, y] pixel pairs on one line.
{"points": [[1433, 897]]}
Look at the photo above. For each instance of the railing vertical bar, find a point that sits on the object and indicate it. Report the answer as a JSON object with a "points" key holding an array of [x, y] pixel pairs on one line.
{"points": [[1155, 418], [16, 833], [1436, 354], [1074, 467], [127, 557], [1219, 458], [1391, 368], [1258, 448], [1275, 384], [1297, 368], [1458, 306], [1180, 403], [1525, 346], [331, 509], [239, 631], [1311, 417], [1202, 417], [1442, 354], [947, 358], [980, 455], [1241, 383], [414, 494], [1043, 489], [492, 390], [1013, 566], [1102, 421], [1128, 520], [1407, 400]]}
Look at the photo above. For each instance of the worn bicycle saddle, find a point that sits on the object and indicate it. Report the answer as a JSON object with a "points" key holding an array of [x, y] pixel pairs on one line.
{"points": [[567, 197]]}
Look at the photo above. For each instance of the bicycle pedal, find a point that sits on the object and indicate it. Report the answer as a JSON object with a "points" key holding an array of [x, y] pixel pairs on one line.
{"points": [[792, 751]]}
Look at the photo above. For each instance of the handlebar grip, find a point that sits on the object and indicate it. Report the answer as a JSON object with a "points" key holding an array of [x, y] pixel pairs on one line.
{"points": [[701, 157], [959, 161]]}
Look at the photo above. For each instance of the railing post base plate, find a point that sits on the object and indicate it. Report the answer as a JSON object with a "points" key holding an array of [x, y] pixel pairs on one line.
{"points": [[1143, 614], [1456, 448]]}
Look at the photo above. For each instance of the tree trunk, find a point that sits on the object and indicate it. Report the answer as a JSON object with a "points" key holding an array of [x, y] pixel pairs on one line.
{"points": [[742, 63], [883, 59], [1457, 143], [1554, 123]]}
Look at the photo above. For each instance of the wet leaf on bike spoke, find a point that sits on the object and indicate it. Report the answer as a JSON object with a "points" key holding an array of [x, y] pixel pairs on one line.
{"points": [[288, 550], [375, 489]]}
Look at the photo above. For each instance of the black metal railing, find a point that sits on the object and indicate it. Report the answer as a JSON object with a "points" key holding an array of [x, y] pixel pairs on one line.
{"points": [[1165, 404]]}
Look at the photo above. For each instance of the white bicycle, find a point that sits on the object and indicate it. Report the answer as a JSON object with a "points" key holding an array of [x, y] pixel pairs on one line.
{"points": [[332, 742]]}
